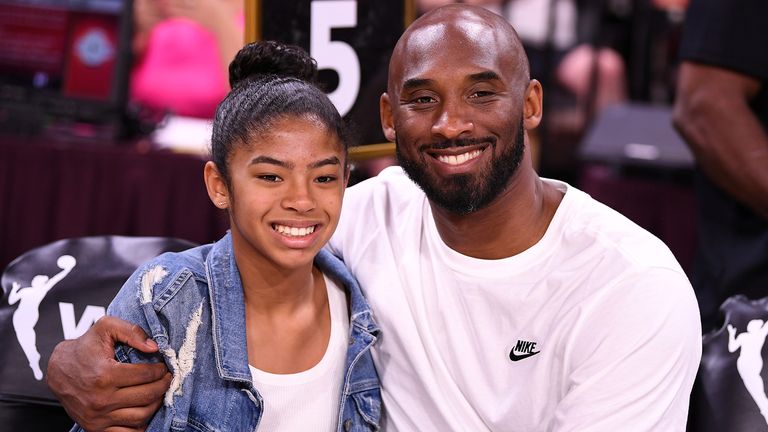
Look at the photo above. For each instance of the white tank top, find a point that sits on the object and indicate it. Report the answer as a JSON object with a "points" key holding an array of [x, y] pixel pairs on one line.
{"points": [[309, 400]]}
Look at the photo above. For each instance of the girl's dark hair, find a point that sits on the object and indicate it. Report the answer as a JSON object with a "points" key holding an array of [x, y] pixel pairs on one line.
{"points": [[269, 81]]}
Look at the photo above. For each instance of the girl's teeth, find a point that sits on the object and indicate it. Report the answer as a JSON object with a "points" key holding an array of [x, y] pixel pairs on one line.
{"points": [[294, 231]]}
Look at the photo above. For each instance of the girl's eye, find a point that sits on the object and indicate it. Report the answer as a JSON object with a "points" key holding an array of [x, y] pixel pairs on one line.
{"points": [[270, 178], [326, 179]]}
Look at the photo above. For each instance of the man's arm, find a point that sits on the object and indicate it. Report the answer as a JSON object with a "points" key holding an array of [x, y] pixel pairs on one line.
{"points": [[712, 113], [99, 392], [632, 357]]}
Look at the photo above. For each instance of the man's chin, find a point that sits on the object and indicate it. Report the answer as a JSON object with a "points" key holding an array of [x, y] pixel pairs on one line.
{"points": [[457, 196]]}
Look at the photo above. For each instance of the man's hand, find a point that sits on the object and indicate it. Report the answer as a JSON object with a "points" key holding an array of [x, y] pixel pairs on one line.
{"points": [[97, 391]]}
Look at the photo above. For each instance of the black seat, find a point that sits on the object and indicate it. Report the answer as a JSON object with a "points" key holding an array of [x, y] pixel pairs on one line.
{"points": [[52, 293], [730, 391]]}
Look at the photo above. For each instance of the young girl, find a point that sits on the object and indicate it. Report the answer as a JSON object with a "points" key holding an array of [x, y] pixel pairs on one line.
{"points": [[262, 329]]}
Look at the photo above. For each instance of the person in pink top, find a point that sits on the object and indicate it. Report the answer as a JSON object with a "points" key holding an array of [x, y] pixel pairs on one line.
{"points": [[181, 52]]}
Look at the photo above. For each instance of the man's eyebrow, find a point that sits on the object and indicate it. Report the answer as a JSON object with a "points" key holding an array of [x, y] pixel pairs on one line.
{"points": [[485, 76], [413, 83], [333, 160], [271, 161]]}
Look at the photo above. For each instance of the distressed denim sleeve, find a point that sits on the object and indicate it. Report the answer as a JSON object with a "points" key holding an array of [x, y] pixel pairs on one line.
{"points": [[133, 303]]}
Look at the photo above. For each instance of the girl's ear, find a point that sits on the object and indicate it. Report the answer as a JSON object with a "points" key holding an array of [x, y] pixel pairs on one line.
{"points": [[216, 186]]}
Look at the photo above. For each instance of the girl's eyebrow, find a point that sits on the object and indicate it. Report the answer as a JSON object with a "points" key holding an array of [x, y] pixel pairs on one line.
{"points": [[333, 160], [271, 161]]}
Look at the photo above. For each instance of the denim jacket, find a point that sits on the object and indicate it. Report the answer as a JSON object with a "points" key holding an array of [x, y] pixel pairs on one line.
{"points": [[191, 303]]}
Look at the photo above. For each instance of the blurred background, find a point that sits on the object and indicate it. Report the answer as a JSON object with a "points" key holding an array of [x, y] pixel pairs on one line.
{"points": [[105, 109]]}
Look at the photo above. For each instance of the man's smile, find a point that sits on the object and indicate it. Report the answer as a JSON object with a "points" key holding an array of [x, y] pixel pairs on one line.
{"points": [[460, 158], [457, 159]]}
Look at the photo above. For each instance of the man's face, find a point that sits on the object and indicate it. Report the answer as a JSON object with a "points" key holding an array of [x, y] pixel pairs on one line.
{"points": [[456, 107], [471, 191]]}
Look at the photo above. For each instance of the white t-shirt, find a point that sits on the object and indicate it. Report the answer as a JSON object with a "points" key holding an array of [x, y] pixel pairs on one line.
{"points": [[309, 400], [599, 317]]}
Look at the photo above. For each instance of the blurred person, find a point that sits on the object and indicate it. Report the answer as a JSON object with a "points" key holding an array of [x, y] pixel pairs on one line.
{"points": [[506, 301], [182, 49], [722, 112], [566, 55]]}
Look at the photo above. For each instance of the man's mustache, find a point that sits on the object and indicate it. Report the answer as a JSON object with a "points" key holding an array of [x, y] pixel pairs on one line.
{"points": [[457, 143]]}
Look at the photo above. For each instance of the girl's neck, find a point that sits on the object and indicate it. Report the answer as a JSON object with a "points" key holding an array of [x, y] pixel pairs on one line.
{"points": [[271, 290], [287, 317]]}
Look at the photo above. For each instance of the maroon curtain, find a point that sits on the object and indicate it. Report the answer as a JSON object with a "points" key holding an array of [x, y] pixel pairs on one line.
{"points": [[55, 190]]}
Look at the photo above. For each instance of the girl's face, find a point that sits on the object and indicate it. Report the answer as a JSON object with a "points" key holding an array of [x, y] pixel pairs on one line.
{"points": [[286, 192]]}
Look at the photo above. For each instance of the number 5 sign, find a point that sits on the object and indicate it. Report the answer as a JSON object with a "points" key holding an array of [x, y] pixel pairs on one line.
{"points": [[351, 41]]}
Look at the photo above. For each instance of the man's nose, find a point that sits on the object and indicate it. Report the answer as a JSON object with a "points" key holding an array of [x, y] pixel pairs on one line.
{"points": [[454, 121]]}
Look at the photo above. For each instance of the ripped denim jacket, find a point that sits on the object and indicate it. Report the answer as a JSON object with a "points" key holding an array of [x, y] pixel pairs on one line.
{"points": [[191, 303]]}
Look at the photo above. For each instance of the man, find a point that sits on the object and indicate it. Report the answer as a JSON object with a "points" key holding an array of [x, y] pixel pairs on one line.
{"points": [[722, 111], [506, 301]]}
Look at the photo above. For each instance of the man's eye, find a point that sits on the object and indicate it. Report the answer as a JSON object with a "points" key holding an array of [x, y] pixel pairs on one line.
{"points": [[423, 100], [482, 93], [326, 179]]}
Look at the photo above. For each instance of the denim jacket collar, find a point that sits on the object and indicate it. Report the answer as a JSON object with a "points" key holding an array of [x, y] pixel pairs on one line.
{"points": [[228, 307], [227, 311]]}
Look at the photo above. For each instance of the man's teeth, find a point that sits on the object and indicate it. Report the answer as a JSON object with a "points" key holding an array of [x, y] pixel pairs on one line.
{"points": [[460, 159], [293, 231]]}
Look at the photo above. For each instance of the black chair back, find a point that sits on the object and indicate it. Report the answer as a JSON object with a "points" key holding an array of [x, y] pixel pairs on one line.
{"points": [[52, 293], [730, 392]]}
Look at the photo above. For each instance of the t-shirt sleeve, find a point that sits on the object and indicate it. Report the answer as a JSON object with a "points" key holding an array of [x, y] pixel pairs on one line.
{"points": [[727, 33], [632, 362]]}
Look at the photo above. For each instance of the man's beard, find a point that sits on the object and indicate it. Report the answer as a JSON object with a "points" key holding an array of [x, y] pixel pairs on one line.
{"points": [[466, 193]]}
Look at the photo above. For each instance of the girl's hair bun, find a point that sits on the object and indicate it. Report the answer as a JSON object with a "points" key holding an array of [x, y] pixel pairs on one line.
{"points": [[272, 58]]}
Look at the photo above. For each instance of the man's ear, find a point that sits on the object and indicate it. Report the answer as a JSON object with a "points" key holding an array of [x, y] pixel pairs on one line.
{"points": [[347, 171], [387, 123], [216, 186], [533, 105]]}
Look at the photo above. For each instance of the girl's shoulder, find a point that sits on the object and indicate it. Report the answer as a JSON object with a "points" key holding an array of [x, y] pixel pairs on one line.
{"points": [[167, 277]]}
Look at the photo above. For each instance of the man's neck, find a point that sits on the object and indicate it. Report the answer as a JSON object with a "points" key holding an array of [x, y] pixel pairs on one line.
{"points": [[512, 223]]}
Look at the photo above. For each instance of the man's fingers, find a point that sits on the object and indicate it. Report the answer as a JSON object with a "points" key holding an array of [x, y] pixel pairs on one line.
{"points": [[139, 403], [143, 394], [117, 330], [132, 374], [131, 407], [132, 419]]}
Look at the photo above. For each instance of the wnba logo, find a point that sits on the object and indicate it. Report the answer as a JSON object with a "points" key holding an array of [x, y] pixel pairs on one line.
{"points": [[27, 313]]}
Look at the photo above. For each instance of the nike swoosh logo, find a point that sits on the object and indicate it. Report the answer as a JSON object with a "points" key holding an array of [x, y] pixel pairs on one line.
{"points": [[518, 357]]}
